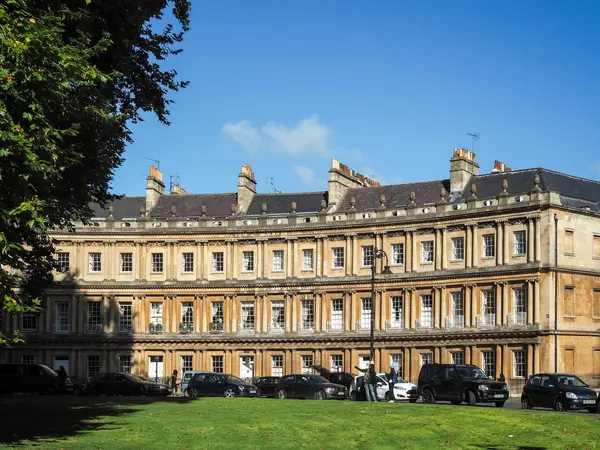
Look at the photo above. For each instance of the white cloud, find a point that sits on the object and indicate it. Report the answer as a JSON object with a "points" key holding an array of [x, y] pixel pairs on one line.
{"points": [[308, 137], [244, 134], [306, 173]]}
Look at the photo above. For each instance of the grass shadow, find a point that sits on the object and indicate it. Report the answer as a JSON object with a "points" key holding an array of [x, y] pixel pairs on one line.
{"points": [[34, 418]]}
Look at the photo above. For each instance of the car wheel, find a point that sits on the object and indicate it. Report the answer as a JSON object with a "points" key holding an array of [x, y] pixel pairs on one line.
{"points": [[258, 393], [471, 398], [525, 403], [428, 397], [93, 392], [499, 404], [320, 395], [191, 392], [282, 394], [456, 402], [353, 396], [559, 405], [229, 393], [50, 390]]}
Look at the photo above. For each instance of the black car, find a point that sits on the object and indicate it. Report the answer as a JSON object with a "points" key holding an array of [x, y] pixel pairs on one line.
{"points": [[123, 384], [458, 383], [217, 384], [558, 391], [309, 386], [79, 386], [35, 378], [343, 378], [267, 386]]}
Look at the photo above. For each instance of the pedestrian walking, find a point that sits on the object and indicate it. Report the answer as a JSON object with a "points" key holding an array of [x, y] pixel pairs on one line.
{"points": [[174, 382], [392, 379], [370, 380]]}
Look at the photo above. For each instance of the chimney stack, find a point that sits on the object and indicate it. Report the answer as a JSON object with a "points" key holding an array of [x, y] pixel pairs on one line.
{"points": [[246, 187], [342, 178], [154, 188], [500, 167], [462, 168]]}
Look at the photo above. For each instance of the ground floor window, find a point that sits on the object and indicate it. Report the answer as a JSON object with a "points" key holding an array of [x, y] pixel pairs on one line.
{"points": [[458, 357], [396, 361], [125, 363], [277, 366], [187, 363], [93, 365], [336, 363], [217, 364], [519, 364], [28, 359], [307, 361], [426, 358], [488, 362]]}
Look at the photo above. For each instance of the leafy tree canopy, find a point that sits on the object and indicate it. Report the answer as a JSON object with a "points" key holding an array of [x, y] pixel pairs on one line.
{"points": [[73, 75]]}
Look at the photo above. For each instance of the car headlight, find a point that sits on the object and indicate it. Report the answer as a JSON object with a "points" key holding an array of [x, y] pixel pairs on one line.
{"points": [[331, 389], [483, 387], [242, 388], [505, 387], [570, 395]]}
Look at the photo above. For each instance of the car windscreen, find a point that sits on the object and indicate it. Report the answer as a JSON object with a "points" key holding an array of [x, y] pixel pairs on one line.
{"points": [[570, 381], [232, 379], [317, 379], [472, 372]]}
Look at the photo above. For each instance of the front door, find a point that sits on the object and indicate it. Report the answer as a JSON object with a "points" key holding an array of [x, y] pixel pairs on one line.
{"points": [[61, 361], [155, 368], [246, 368]]}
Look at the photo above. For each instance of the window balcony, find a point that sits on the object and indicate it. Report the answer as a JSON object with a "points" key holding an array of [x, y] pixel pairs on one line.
{"points": [[246, 327], [486, 321], [125, 328], [306, 326], [216, 327], [156, 328], [336, 328], [394, 325], [93, 328], [362, 329], [517, 319], [60, 328], [275, 329], [186, 328], [454, 322]]}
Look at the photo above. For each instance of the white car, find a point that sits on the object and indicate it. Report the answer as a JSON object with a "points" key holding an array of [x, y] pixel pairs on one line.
{"points": [[401, 388]]}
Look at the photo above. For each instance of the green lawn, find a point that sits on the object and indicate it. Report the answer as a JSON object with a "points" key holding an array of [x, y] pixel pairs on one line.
{"points": [[218, 423]]}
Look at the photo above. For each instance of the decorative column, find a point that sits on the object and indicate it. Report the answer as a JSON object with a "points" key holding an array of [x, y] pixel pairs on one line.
{"points": [[505, 303], [265, 319], [498, 299], [530, 362], [227, 263], [438, 249], [289, 259], [353, 314], [346, 310], [538, 238], [499, 242], [206, 318], [475, 246], [536, 358], [436, 307], [498, 357], [293, 258], [413, 251], [294, 311], [536, 301], [467, 299], [530, 240], [205, 261], [322, 324], [382, 308], [468, 249], [234, 261], [259, 259], [444, 248], [354, 259], [348, 256], [413, 308], [530, 305], [468, 355], [505, 239], [324, 245], [443, 305]]}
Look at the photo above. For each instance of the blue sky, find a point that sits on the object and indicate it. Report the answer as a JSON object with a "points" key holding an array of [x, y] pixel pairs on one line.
{"points": [[387, 87]]}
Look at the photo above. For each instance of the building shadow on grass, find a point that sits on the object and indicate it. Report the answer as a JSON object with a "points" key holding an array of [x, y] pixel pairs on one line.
{"points": [[32, 419]]}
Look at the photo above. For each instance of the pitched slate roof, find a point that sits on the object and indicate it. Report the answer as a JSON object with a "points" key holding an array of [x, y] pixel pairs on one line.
{"points": [[282, 203], [190, 205], [125, 207], [396, 195]]}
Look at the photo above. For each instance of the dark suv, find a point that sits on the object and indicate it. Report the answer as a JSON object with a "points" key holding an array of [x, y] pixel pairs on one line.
{"points": [[458, 383]]}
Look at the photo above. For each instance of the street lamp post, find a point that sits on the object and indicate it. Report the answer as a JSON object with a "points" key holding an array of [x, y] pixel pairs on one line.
{"points": [[377, 254]]}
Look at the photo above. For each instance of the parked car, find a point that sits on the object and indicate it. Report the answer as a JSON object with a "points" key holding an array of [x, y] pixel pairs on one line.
{"points": [[215, 384], [36, 378], [458, 383], [343, 378], [124, 384], [309, 386], [186, 377], [79, 386], [267, 386], [561, 392], [403, 390]]}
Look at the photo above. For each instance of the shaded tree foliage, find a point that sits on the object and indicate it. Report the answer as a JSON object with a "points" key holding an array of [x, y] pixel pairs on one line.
{"points": [[73, 75]]}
